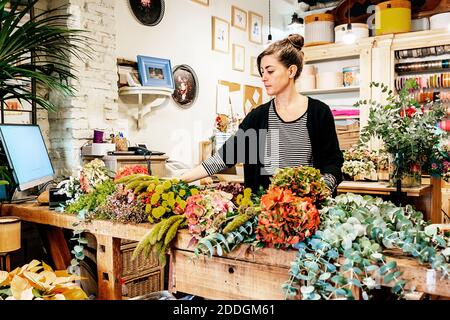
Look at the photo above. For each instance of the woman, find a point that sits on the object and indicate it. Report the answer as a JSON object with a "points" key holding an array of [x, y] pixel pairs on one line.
{"points": [[288, 131]]}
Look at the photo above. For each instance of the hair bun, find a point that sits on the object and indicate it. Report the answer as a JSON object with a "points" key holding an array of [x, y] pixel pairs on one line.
{"points": [[296, 40]]}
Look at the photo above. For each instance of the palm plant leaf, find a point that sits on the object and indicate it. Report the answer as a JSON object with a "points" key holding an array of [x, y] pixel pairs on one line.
{"points": [[52, 45]]}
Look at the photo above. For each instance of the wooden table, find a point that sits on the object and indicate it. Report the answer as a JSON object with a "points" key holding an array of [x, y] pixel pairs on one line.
{"points": [[107, 233], [426, 198], [242, 274]]}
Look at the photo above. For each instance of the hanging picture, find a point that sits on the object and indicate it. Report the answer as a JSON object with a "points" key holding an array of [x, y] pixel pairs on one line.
{"points": [[203, 2], [186, 86], [255, 23], [220, 35], [254, 67], [238, 18], [252, 98], [148, 12], [155, 72], [238, 57]]}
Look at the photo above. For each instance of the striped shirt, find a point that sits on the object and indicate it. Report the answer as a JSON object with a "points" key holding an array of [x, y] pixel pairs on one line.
{"points": [[287, 145]]}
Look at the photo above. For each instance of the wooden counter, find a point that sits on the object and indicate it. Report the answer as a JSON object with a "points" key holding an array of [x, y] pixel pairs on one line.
{"points": [[242, 274], [426, 198]]}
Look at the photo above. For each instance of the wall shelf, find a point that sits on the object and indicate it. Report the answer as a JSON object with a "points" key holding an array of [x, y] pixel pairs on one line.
{"points": [[332, 90], [147, 98]]}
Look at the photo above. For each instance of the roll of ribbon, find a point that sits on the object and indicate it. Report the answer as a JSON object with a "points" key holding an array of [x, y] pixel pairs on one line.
{"points": [[98, 136]]}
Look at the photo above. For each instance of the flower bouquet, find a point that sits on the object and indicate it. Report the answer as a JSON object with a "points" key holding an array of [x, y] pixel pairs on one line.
{"points": [[408, 131]]}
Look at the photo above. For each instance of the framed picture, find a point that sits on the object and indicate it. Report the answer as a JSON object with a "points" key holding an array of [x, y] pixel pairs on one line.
{"points": [[255, 23], [220, 35], [238, 57], [203, 2], [252, 98], [186, 86], [254, 67], [238, 18], [148, 12], [155, 72]]}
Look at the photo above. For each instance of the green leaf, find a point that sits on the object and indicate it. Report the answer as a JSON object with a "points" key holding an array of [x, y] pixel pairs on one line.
{"points": [[325, 276], [82, 240], [355, 282], [305, 290], [219, 250], [340, 292], [388, 278], [431, 230]]}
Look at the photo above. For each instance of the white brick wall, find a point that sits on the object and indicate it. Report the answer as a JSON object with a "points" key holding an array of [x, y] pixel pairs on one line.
{"points": [[94, 105]]}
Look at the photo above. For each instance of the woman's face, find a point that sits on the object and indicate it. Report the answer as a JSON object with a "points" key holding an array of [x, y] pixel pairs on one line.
{"points": [[275, 76]]}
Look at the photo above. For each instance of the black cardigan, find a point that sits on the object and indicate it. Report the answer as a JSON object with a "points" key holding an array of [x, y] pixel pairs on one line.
{"points": [[327, 157]]}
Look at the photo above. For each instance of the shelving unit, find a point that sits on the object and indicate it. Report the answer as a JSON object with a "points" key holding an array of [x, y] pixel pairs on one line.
{"points": [[147, 98], [332, 90]]}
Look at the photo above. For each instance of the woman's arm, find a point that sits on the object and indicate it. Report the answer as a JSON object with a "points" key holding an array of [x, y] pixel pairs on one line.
{"points": [[194, 174]]}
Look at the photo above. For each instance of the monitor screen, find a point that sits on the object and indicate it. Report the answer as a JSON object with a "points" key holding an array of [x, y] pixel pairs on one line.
{"points": [[27, 155]]}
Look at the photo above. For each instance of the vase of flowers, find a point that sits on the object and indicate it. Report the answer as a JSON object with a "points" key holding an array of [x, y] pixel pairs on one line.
{"points": [[408, 131]]}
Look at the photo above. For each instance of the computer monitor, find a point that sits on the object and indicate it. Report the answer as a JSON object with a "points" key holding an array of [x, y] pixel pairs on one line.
{"points": [[27, 155]]}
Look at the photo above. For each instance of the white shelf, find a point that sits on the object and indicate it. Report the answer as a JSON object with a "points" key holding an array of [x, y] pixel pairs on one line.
{"points": [[147, 98], [345, 117], [332, 90]]}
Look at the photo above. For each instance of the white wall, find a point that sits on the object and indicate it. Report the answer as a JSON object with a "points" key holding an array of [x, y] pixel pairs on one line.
{"points": [[184, 37]]}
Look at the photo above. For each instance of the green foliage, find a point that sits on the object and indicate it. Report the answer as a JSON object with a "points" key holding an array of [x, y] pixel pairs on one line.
{"points": [[54, 47], [92, 200], [358, 229], [407, 130], [224, 243]]}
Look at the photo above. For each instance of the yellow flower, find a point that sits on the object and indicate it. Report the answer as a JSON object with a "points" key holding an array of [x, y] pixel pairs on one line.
{"points": [[247, 192], [159, 189], [171, 195], [182, 204], [151, 187], [194, 191], [165, 196], [171, 202], [167, 184], [155, 198], [182, 192], [164, 204]]}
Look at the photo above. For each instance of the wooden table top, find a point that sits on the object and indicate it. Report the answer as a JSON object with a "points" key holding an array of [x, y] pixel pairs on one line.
{"points": [[379, 187]]}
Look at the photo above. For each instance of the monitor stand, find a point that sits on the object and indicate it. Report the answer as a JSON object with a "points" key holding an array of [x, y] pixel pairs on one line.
{"points": [[23, 196]]}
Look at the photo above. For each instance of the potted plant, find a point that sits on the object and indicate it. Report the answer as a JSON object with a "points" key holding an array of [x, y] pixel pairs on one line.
{"points": [[408, 131], [50, 44]]}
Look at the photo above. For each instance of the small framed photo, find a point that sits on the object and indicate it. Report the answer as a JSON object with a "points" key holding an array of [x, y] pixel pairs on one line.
{"points": [[238, 18], [254, 67], [220, 35], [186, 86], [203, 2], [238, 57], [155, 72], [255, 23]]}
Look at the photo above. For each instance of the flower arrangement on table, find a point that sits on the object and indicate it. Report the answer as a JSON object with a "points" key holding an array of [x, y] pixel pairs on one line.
{"points": [[360, 164], [37, 281], [408, 130]]}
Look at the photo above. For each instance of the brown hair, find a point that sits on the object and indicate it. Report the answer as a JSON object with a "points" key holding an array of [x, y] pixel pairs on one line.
{"points": [[288, 51]]}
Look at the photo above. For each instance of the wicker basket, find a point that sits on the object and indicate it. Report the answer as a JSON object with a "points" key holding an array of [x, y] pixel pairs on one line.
{"points": [[142, 284], [139, 264]]}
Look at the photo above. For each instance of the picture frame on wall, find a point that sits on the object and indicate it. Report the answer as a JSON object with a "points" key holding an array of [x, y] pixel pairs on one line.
{"points": [[254, 67], [238, 58], [186, 86], [155, 72], [220, 35], [255, 23], [238, 18], [147, 12], [203, 2]]}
